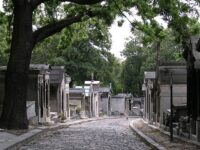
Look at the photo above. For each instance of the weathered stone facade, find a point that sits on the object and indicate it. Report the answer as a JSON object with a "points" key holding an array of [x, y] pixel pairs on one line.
{"points": [[94, 97], [37, 93], [58, 100], [105, 100], [157, 95], [77, 101], [149, 78]]}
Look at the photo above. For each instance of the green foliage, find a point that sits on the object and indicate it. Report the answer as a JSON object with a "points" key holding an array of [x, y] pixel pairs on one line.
{"points": [[4, 39], [177, 14], [131, 77], [140, 58], [181, 16], [170, 50], [116, 76], [82, 49]]}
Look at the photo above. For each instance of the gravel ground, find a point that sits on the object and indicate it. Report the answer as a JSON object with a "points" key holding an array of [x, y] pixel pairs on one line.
{"points": [[109, 134]]}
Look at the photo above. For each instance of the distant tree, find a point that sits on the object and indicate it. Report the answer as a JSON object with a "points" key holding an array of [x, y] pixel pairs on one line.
{"points": [[131, 68], [117, 85], [84, 52], [141, 57]]}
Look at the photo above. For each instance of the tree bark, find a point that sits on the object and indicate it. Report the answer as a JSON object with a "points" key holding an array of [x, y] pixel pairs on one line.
{"points": [[14, 108], [157, 88], [191, 87], [50, 29]]}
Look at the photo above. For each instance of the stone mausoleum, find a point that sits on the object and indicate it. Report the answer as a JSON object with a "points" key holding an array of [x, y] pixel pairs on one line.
{"points": [[38, 96], [58, 100]]}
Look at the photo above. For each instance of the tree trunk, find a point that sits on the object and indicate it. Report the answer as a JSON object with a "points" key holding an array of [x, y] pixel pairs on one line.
{"points": [[14, 110], [191, 87], [157, 88]]}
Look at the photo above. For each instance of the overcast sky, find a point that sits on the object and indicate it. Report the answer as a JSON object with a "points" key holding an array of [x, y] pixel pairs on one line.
{"points": [[119, 37]]}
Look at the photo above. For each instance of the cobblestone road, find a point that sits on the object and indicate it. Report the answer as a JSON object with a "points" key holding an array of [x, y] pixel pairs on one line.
{"points": [[108, 134]]}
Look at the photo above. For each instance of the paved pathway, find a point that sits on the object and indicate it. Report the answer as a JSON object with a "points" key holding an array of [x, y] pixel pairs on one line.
{"points": [[110, 134]]}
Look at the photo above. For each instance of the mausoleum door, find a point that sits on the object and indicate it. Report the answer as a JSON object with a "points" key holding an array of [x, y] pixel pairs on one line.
{"points": [[43, 98], [109, 105], [47, 95], [40, 97]]}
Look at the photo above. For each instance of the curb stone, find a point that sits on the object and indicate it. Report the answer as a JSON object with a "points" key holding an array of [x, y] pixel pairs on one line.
{"points": [[27, 137], [146, 138]]}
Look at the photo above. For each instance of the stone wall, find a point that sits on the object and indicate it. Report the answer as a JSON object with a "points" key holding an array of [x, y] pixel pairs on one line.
{"points": [[103, 105], [117, 105], [179, 97], [53, 98], [30, 108]]}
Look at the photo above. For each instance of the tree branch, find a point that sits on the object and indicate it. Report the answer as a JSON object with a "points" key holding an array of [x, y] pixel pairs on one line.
{"points": [[53, 28], [56, 27], [35, 3]]}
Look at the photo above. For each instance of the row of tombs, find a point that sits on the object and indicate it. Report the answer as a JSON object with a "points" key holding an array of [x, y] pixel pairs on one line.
{"points": [[166, 91], [49, 98], [171, 78], [172, 94], [46, 96]]}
